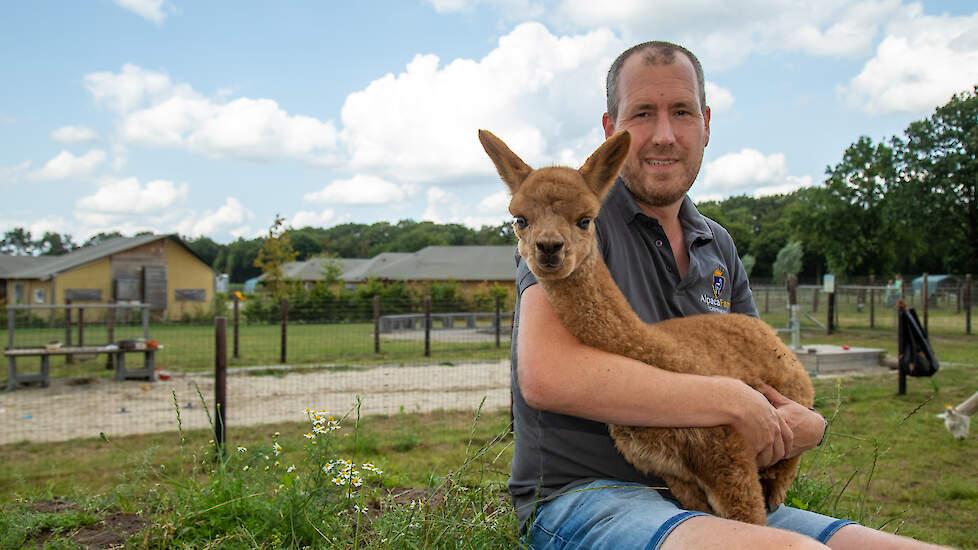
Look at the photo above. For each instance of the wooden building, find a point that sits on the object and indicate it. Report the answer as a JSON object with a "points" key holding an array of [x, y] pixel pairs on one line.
{"points": [[157, 269]]}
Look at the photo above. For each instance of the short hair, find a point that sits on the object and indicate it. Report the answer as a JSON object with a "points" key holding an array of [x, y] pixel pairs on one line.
{"points": [[656, 52]]}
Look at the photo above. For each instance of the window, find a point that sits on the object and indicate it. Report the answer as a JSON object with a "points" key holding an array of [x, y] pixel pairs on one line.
{"points": [[40, 295]]}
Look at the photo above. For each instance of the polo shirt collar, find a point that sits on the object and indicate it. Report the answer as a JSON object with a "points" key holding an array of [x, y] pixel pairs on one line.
{"points": [[622, 203]]}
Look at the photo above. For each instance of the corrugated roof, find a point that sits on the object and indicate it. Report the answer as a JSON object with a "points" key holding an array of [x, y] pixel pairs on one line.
{"points": [[12, 264], [461, 263], [434, 263], [77, 258]]}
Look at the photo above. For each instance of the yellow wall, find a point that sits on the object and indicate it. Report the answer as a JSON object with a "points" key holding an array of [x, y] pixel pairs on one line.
{"points": [[186, 271], [93, 276], [30, 285]]}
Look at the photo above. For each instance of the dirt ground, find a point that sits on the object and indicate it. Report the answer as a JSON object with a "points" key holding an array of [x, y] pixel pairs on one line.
{"points": [[70, 409]]}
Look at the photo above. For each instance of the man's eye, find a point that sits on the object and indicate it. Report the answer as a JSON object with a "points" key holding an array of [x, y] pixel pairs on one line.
{"points": [[520, 222], [584, 223]]}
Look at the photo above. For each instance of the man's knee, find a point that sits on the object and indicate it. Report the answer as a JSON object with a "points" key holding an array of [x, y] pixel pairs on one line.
{"points": [[713, 532]]}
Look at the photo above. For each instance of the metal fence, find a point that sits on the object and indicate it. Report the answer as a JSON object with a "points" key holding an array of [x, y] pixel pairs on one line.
{"points": [[398, 356], [946, 308], [411, 354]]}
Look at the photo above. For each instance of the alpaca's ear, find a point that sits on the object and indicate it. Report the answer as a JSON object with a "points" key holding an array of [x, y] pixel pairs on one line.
{"points": [[601, 168], [510, 167]]}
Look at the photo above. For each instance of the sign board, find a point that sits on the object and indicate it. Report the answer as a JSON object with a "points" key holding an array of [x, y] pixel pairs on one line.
{"points": [[190, 295], [828, 282], [83, 294]]}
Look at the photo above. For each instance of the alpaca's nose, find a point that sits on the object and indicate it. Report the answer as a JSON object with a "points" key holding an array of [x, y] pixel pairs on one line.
{"points": [[550, 248]]}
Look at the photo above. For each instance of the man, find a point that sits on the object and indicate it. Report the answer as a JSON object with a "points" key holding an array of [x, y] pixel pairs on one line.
{"points": [[570, 486]]}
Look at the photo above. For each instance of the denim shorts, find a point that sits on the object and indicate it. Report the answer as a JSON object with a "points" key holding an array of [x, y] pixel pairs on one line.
{"points": [[622, 515]]}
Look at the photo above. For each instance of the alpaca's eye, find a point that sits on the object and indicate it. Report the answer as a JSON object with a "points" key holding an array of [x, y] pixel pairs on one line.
{"points": [[584, 222], [520, 222]]}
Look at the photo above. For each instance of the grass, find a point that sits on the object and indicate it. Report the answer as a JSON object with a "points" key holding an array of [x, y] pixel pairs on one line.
{"points": [[887, 462], [190, 348]]}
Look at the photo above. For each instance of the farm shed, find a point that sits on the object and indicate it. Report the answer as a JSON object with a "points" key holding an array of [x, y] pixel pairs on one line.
{"points": [[157, 269], [469, 265]]}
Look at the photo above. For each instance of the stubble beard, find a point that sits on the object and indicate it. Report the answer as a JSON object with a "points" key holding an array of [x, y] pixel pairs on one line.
{"points": [[650, 192]]}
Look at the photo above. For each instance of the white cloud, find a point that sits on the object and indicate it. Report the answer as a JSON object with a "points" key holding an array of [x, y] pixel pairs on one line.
{"points": [[147, 9], [66, 165], [747, 172], [231, 214], [720, 100], [517, 9], [37, 228], [918, 66], [724, 34], [420, 125], [13, 174], [128, 196], [361, 189], [308, 218], [447, 207], [155, 111], [74, 134]]}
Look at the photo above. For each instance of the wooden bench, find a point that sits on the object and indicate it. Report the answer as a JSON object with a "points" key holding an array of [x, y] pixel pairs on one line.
{"points": [[146, 372]]}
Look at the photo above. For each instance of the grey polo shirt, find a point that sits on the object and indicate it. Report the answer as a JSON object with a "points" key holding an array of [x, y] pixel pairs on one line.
{"points": [[554, 453]]}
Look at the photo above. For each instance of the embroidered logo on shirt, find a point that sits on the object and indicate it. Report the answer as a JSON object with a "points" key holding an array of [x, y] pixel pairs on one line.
{"points": [[719, 281], [716, 303]]}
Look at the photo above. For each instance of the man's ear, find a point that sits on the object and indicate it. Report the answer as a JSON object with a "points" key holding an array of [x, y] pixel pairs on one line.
{"points": [[608, 124], [511, 168], [602, 167]]}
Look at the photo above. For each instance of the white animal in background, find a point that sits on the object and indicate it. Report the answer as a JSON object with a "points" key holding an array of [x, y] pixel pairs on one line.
{"points": [[957, 420]]}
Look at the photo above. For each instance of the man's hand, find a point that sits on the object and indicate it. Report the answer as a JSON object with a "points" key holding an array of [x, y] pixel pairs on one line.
{"points": [[807, 425], [764, 430]]}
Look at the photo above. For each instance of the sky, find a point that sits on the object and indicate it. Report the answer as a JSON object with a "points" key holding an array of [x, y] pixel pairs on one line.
{"points": [[211, 118]]}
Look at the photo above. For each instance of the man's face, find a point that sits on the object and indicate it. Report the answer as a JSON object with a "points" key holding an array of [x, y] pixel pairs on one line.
{"points": [[659, 106]]}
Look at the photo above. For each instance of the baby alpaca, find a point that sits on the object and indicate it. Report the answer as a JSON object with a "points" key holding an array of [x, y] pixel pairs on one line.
{"points": [[707, 469]]}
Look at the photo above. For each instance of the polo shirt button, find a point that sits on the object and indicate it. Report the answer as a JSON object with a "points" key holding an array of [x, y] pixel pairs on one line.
{"points": [[658, 242]]}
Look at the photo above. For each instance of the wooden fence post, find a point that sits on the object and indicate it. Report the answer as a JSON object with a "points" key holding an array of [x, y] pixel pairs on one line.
{"points": [[81, 326], [377, 323], [926, 295], [145, 320], [498, 320], [872, 302], [68, 358], [236, 307], [285, 322], [967, 303], [110, 330], [427, 326], [220, 382]]}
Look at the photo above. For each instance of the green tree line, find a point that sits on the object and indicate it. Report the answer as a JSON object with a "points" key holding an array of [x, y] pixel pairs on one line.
{"points": [[905, 204]]}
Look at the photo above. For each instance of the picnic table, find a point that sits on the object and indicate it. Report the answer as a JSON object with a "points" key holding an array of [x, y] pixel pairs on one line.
{"points": [[146, 372]]}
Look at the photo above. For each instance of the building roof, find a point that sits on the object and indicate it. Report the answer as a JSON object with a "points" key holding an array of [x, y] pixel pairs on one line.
{"points": [[46, 267], [461, 263], [12, 264], [434, 263]]}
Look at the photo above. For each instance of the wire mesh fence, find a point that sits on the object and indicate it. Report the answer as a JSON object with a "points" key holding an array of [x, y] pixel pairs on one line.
{"points": [[946, 306], [410, 353], [397, 355]]}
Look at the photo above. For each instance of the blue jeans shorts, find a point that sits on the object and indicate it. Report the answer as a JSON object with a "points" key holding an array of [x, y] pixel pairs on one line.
{"points": [[621, 515]]}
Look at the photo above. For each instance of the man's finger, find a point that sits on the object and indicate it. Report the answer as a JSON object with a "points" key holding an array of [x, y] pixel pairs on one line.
{"points": [[772, 395]]}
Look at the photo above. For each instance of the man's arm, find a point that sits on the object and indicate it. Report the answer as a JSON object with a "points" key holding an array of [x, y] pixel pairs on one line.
{"points": [[560, 374]]}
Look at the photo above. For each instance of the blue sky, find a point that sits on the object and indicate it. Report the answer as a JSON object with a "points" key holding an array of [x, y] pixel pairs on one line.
{"points": [[209, 118]]}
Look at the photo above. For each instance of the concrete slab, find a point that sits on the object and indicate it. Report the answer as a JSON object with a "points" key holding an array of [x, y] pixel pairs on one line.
{"points": [[824, 358]]}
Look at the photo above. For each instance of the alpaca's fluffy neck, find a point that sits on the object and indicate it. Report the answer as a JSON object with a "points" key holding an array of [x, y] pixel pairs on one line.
{"points": [[593, 309]]}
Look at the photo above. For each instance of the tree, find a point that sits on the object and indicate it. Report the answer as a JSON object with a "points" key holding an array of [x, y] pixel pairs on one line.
{"points": [[207, 249], [101, 238], [788, 261], [849, 221], [939, 184], [274, 253], [749, 262], [56, 244], [18, 242]]}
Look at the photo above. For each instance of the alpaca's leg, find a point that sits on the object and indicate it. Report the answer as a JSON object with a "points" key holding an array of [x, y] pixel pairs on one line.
{"points": [[727, 472], [689, 494], [776, 480]]}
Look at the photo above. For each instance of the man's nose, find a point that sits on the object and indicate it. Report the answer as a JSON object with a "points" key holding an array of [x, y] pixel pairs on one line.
{"points": [[662, 134]]}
